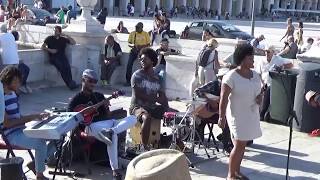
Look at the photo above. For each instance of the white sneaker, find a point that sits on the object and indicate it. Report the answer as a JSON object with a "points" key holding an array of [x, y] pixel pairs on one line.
{"points": [[23, 90], [28, 88]]}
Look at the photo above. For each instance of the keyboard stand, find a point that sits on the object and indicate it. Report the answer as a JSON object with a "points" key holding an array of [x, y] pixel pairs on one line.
{"points": [[61, 166]]}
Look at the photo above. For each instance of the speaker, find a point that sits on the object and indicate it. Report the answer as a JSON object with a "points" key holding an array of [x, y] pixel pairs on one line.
{"points": [[308, 79]]}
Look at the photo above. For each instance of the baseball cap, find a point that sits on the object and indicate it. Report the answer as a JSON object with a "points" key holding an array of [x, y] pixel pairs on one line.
{"points": [[90, 74], [309, 95]]}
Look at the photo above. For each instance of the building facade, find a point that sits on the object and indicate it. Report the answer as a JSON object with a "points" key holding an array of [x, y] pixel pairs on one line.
{"points": [[234, 7]]}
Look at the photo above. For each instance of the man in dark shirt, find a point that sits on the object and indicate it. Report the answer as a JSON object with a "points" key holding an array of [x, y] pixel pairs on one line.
{"points": [[102, 127], [111, 59], [146, 92], [55, 45], [163, 51]]}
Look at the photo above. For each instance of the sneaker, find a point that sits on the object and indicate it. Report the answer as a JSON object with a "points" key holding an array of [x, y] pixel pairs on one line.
{"points": [[117, 176], [106, 136], [28, 88], [23, 89], [104, 82]]}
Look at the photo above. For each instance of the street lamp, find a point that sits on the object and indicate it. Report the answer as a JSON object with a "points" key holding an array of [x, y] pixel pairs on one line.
{"points": [[252, 18]]}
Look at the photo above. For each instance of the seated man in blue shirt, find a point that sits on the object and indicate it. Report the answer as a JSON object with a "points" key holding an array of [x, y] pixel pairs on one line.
{"points": [[14, 122]]}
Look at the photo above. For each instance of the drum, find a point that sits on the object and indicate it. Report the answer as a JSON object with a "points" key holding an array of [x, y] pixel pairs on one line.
{"points": [[174, 118]]}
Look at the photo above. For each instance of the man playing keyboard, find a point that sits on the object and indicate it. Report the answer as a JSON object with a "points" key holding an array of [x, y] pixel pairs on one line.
{"points": [[102, 127], [14, 122]]}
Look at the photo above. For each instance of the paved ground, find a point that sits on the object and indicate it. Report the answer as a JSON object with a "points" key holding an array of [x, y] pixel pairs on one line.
{"points": [[265, 160]]}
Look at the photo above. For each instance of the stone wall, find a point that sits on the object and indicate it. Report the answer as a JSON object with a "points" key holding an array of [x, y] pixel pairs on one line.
{"points": [[180, 69]]}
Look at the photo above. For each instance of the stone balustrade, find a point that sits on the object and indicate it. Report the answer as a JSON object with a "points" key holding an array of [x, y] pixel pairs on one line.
{"points": [[180, 69]]}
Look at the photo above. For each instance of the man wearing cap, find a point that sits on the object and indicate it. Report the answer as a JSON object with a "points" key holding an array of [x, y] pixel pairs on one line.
{"points": [[138, 39], [313, 98], [146, 92], [256, 45], [102, 127], [263, 69]]}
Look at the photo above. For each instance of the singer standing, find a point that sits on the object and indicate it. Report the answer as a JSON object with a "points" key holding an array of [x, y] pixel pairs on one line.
{"points": [[239, 106]]}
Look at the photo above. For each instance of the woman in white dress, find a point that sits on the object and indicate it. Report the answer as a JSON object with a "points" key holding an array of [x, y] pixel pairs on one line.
{"points": [[239, 106]]}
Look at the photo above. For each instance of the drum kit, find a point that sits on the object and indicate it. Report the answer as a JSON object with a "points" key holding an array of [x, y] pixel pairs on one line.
{"points": [[183, 126]]}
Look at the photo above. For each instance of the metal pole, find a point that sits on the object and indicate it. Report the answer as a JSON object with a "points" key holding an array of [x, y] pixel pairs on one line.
{"points": [[252, 18]]}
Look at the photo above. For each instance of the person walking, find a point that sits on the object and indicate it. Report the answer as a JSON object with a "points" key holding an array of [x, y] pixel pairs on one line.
{"points": [[299, 39], [239, 106], [290, 29], [208, 63]]}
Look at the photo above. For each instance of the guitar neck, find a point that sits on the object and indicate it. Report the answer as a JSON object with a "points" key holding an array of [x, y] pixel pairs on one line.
{"points": [[103, 102]]}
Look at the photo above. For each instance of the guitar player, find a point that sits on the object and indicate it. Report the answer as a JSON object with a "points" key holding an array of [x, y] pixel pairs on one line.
{"points": [[102, 127]]}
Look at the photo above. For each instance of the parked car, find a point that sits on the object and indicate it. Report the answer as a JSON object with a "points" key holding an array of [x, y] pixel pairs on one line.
{"points": [[219, 29], [43, 16]]}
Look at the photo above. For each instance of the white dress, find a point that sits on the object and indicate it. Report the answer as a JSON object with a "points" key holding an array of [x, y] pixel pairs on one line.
{"points": [[242, 111]]}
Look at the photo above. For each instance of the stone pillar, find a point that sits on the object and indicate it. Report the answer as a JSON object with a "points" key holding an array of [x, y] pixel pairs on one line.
{"points": [[238, 7], [123, 7], [307, 4], [314, 5], [216, 5], [206, 4], [276, 4], [284, 4], [152, 4], [248, 7], [109, 4], [168, 4], [293, 4], [195, 3], [228, 6], [258, 6], [267, 4], [299, 4], [140, 6], [182, 3]]}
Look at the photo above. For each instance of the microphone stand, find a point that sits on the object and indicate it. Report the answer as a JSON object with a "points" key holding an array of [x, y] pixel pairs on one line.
{"points": [[292, 116]]}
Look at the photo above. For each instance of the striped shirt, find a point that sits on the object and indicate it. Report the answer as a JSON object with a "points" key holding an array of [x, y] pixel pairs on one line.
{"points": [[12, 109]]}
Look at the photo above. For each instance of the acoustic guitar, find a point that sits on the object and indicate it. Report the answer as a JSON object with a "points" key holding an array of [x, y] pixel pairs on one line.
{"points": [[91, 111]]}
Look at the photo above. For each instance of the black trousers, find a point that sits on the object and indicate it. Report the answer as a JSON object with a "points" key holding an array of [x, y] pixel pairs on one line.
{"points": [[132, 57], [265, 103], [108, 69], [63, 66]]}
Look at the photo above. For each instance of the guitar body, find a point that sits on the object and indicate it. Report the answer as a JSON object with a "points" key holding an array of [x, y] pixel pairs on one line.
{"points": [[91, 110], [88, 116]]}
